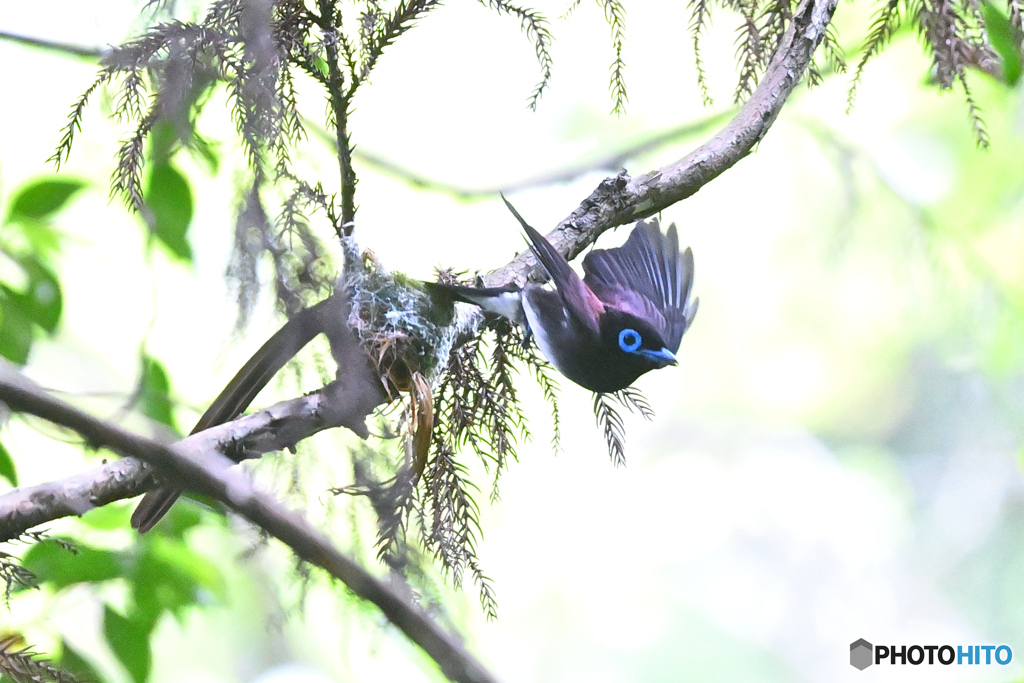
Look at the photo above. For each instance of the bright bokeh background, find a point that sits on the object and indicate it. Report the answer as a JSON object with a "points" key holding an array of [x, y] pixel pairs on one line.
{"points": [[837, 455]]}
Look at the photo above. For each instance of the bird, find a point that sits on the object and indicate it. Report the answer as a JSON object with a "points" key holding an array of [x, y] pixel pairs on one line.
{"points": [[625, 317]]}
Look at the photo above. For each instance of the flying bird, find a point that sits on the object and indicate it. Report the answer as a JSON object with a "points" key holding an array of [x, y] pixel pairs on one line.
{"points": [[624, 317]]}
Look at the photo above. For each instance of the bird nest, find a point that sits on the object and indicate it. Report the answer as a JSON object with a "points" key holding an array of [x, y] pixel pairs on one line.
{"points": [[402, 328]]}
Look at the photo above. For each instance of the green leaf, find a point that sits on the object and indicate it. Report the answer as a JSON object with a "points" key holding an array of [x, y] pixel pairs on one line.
{"points": [[108, 517], [129, 640], [61, 568], [72, 662], [202, 572], [1004, 37], [161, 586], [163, 142], [154, 393], [7, 470], [42, 302], [172, 577], [169, 200], [180, 519], [15, 328], [43, 198], [205, 151], [38, 238]]}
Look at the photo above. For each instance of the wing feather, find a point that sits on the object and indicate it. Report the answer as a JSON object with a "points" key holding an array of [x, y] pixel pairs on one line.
{"points": [[648, 277]]}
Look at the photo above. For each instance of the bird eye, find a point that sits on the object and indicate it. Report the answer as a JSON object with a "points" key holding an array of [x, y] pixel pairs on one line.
{"points": [[629, 340]]}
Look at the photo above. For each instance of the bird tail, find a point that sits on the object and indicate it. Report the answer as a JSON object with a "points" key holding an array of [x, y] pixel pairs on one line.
{"points": [[504, 301], [237, 395], [153, 506]]}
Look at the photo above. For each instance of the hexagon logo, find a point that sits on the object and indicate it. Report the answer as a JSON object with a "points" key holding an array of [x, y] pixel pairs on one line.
{"points": [[861, 654]]}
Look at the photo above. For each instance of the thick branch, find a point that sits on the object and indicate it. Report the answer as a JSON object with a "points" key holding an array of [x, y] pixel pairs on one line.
{"points": [[276, 428], [208, 472]]}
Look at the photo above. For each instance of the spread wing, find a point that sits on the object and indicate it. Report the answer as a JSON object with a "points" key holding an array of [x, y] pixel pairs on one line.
{"points": [[647, 277]]}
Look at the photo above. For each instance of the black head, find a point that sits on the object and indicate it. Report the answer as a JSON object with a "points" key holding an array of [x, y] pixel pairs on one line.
{"points": [[632, 345]]}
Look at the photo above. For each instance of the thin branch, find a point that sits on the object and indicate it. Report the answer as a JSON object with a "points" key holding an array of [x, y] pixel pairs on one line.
{"points": [[615, 15], [616, 201], [536, 27], [211, 473], [700, 16], [29, 506], [340, 101], [394, 25], [55, 46], [608, 163], [884, 24]]}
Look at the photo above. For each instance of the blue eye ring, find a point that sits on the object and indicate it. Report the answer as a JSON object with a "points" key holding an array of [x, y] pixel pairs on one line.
{"points": [[629, 340]]}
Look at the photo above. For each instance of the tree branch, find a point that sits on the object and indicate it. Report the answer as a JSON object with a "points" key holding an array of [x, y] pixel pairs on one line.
{"points": [[339, 103], [623, 199], [279, 427], [208, 472], [616, 201], [344, 402], [66, 48]]}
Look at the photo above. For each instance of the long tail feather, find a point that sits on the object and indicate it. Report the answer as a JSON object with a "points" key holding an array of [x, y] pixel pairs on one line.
{"points": [[236, 397]]}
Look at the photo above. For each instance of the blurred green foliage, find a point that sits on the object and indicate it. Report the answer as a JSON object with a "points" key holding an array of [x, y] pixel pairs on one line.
{"points": [[30, 292], [7, 470], [162, 573], [970, 234], [169, 199], [31, 301], [154, 398], [1005, 38]]}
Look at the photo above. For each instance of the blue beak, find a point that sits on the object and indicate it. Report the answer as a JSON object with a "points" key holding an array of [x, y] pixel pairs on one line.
{"points": [[662, 358]]}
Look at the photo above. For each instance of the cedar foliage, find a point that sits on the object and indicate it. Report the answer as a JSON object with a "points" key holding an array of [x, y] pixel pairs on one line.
{"points": [[256, 51], [21, 665]]}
